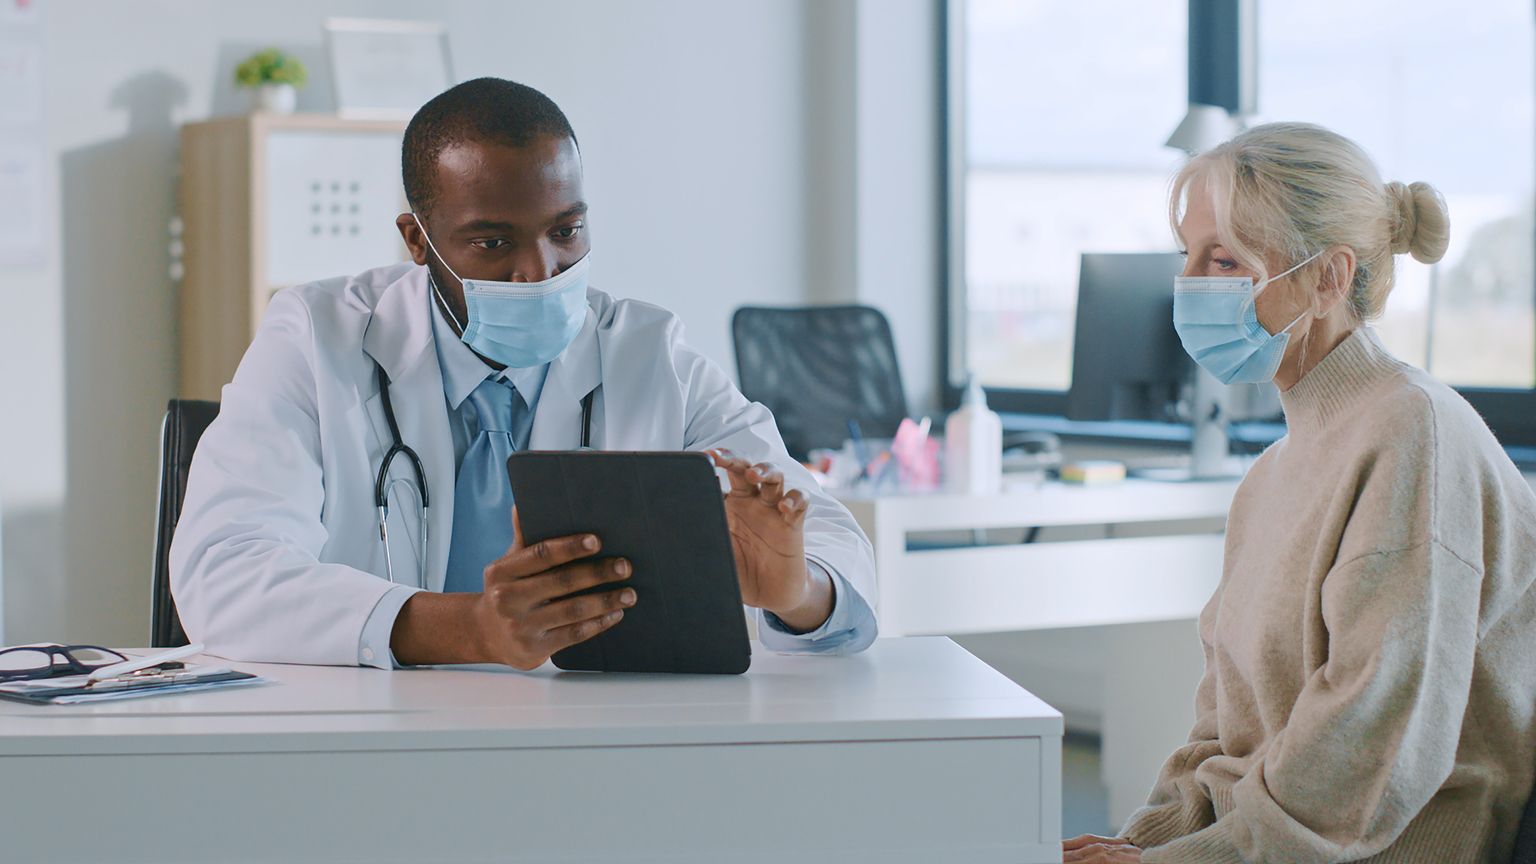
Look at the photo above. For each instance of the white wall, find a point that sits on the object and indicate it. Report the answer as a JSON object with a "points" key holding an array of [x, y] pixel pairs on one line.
{"points": [[720, 142], [874, 149], [898, 201]]}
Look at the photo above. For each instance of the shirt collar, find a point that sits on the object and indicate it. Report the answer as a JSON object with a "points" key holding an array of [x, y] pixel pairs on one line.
{"points": [[463, 370]]}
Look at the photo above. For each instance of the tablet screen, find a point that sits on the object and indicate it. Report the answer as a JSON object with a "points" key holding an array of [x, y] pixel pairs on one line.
{"points": [[665, 513]]}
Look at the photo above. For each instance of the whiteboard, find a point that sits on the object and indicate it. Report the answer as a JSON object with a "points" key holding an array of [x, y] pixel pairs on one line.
{"points": [[332, 199]]}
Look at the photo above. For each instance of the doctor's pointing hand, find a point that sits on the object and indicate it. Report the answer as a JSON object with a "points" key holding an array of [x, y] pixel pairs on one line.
{"points": [[488, 342]]}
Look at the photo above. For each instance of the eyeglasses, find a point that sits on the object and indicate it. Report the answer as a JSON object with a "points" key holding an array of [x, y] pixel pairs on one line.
{"points": [[51, 661]]}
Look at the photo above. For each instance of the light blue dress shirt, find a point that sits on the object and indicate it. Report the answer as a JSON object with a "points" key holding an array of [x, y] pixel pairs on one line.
{"points": [[850, 627]]}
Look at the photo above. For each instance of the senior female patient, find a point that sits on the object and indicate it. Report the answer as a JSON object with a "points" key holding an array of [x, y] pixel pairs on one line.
{"points": [[1370, 652]]}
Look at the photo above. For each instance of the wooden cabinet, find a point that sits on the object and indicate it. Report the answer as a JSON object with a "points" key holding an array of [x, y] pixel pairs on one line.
{"points": [[273, 200]]}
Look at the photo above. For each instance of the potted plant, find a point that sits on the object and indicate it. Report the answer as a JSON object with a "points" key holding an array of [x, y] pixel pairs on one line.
{"points": [[273, 77]]}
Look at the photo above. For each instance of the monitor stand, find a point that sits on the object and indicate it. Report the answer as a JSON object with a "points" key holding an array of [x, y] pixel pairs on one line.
{"points": [[1209, 449], [1210, 458]]}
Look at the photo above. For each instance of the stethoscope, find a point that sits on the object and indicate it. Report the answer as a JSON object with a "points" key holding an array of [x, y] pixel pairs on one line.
{"points": [[383, 485]]}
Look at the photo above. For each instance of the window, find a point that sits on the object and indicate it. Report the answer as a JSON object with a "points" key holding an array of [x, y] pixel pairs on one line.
{"points": [[1063, 109], [1068, 105], [1440, 91]]}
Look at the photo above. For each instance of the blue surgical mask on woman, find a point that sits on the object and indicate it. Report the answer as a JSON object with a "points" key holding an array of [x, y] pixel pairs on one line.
{"points": [[1219, 326], [521, 324]]}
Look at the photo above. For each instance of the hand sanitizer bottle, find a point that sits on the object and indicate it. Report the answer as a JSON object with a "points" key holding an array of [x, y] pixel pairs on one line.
{"points": [[973, 440]]}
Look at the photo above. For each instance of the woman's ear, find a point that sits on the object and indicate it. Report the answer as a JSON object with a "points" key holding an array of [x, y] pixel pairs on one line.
{"points": [[1335, 277]]}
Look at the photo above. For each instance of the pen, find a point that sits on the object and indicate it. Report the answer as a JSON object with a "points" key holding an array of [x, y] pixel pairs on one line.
{"points": [[139, 679], [859, 450], [146, 662]]}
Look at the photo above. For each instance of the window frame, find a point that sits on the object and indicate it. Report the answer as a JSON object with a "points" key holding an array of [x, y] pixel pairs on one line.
{"points": [[1509, 412], [955, 305]]}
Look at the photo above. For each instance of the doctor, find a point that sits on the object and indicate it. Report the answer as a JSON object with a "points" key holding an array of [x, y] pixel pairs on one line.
{"points": [[489, 342]]}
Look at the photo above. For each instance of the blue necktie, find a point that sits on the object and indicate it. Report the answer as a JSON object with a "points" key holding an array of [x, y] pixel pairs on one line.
{"points": [[482, 497]]}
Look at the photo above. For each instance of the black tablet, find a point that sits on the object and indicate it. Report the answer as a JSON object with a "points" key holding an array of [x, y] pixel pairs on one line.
{"points": [[664, 512]]}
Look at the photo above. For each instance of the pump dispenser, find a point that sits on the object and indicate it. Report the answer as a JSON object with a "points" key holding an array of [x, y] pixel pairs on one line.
{"points": [[973, 438]]}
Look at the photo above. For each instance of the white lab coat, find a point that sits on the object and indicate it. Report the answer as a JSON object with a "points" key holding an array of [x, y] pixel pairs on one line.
{"points": [[277, 555]]}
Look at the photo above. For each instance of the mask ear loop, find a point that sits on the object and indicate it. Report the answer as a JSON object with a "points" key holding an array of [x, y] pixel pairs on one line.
{"points": [[1306, 339], [428, 238], [1253, 298], [444, 300], [433, 282], [1252, 302]]}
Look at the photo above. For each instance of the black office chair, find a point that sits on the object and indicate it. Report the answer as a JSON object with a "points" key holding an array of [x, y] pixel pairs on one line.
{"points": [[818, 367], [185, 420]]}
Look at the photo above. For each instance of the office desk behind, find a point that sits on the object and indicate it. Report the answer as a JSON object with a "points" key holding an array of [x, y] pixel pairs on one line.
{"points": [[1027, 586], [913, 751]]}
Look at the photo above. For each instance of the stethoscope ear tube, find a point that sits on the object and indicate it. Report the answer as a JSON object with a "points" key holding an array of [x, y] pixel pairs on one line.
{"points": [[586, 419], [380, 484]]}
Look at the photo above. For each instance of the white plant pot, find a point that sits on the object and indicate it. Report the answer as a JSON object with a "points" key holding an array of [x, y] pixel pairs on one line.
{"points": [[276, 98]]}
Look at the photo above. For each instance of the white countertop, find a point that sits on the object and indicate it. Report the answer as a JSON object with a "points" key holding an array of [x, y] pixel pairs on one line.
{"points": [[898, 689]]}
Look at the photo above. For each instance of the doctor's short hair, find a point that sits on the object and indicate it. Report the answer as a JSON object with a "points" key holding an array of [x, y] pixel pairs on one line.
{"points": [[1283, 192], [490, 110]]}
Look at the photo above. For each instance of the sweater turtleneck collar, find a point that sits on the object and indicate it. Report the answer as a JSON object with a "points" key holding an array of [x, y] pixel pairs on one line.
{"points": [[1351, 370]]}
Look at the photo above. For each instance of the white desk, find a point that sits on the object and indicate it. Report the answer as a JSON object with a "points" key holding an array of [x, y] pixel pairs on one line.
{"points": [[913, 751], [1029, 586]]}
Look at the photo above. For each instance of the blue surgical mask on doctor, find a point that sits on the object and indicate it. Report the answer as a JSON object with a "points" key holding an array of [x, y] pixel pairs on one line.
{"points": [[521, 324], [1219, 326]]}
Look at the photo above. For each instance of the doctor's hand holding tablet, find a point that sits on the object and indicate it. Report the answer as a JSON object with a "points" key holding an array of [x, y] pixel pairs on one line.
{"points": [[527, 612], [304, 540]]}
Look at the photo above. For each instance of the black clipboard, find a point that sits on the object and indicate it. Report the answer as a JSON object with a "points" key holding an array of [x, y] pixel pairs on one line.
{"points": [[664, 512]]}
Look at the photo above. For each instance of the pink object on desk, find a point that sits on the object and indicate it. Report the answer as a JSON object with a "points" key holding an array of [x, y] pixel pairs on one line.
{"points": [[917, 456]]}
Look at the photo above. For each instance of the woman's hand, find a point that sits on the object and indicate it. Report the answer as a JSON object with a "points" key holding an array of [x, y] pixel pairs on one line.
{"points": [[1091, 849], [767, 523]]}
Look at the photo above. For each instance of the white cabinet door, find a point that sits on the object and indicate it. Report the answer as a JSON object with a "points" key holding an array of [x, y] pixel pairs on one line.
{"points": [[332, 199]]}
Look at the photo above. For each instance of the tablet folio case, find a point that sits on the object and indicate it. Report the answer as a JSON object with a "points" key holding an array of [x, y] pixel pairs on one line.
{"points": [[664, 512]]}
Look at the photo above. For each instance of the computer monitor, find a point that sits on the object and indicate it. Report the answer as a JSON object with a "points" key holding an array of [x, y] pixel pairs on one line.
{"points": [[1127, 363]]}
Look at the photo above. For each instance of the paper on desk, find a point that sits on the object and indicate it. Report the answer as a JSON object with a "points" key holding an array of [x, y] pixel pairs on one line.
{"points": [[72, 689]]}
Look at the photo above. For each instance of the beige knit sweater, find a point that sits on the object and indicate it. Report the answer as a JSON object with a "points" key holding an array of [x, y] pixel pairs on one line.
{"points": [[1370, 653]]}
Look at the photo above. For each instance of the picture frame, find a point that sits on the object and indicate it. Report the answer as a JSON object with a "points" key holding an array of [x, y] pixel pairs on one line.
{"points": [[386, 69]]}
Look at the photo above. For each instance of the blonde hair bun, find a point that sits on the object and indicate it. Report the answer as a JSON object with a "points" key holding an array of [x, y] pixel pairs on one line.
{"points": [[1283, 192], [1421, 224]]}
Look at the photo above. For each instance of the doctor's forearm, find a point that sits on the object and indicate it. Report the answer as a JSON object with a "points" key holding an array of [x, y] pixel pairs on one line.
{"points": [[431, 629]]}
